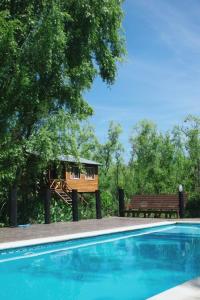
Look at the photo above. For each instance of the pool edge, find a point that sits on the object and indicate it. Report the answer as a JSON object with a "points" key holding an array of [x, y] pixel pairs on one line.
{"points": [[187, 290], [61, 238]]}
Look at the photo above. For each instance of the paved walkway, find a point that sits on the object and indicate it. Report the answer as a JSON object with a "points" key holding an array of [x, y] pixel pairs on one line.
{"points": [[63, 228]]}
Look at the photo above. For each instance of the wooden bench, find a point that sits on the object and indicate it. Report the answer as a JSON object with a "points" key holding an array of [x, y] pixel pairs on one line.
{"points": [[153, 206]]}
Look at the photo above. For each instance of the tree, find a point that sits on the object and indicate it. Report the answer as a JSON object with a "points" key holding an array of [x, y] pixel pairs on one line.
{"points": [[53, 51], [112, 147], [86, 141], [110, 155], [191, 130], [157, 162], [50, 53], [144, 157]]}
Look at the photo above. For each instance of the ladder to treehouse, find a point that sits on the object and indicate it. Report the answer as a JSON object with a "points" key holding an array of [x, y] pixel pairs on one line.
{"points": [[63, 191]]}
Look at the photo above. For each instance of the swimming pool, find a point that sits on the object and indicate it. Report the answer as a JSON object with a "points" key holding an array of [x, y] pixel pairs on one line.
{"points": [[128, 265]]}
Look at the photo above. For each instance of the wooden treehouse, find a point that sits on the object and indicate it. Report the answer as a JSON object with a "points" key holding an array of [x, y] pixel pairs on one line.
{"points": [[72, 174]]}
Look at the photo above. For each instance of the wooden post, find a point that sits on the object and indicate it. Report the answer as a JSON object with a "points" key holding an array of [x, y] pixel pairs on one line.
{"points": [[13, 206], [181, 201], [47, 206], [75, 205], [121, 202], [98, 205]]}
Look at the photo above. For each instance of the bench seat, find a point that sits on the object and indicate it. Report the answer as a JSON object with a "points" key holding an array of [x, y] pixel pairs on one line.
{"points": [[153, 205]]}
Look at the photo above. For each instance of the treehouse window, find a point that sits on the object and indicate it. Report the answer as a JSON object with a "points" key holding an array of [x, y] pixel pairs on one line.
{"points": [[75, 173], [90, 173]]}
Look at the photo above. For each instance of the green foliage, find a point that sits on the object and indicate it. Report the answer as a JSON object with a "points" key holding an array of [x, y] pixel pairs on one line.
{"points": [[112, 148], [110, 155], [50, 53], [86, 141], [191, 131], [145, 156], [159, 162], [193, 206], [109, 203], [87, 208], [54, 49]]}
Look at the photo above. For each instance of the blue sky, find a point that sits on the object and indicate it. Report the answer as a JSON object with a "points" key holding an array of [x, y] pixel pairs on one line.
{"points": [[160, 78]]}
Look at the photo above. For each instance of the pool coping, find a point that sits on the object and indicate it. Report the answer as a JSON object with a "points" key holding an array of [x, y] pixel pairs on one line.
{"points": [[86, 234], [61, 238], [187, 290]]}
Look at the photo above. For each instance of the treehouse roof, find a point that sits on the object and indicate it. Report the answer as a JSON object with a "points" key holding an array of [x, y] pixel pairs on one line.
{"points": [[73, 159]]}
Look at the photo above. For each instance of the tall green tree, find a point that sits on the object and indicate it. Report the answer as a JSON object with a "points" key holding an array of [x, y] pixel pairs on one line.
{"points": [[51, 52], [110, 155], [158, 161], [112, 148], [144, 156], [191, 131]]}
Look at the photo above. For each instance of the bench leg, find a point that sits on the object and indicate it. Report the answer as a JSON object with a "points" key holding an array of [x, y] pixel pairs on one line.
{"points": [[157, 214]]}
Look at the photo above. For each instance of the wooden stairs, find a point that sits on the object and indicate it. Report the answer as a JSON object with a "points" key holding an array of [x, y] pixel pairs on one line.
{"points": [[63, 195], [63, 191]]}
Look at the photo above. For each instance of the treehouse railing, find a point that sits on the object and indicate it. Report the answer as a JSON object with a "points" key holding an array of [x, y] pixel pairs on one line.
{"points": [[59, 184]]}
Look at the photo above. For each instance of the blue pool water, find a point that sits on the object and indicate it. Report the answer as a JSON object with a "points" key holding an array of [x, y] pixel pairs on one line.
{"points": [[131, 265]]}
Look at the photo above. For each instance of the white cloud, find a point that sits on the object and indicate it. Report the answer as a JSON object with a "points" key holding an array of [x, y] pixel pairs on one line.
{"points": [[164, 89], [176, 27]]}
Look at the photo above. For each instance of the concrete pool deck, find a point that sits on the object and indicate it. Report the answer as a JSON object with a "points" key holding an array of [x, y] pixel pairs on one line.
{"points": [[35, 231], [43, 233]]}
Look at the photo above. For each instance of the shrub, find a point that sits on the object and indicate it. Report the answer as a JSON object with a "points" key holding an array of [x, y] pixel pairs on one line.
{"points": [[193, 206]]}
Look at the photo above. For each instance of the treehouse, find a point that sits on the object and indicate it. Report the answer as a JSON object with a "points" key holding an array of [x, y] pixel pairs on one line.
{"points": [[68, 179], [72, 174]]}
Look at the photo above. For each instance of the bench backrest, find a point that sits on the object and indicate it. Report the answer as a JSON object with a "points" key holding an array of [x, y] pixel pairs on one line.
{"points": [[162, 201]]}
